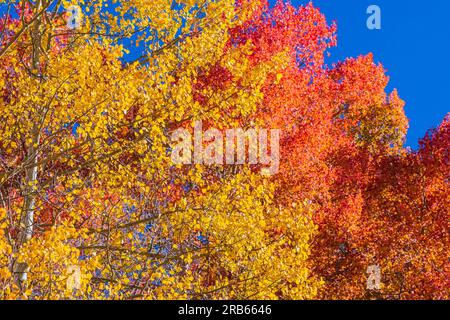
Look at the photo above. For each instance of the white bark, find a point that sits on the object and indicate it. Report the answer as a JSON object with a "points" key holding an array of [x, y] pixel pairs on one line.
{"points": [[31, 175]]}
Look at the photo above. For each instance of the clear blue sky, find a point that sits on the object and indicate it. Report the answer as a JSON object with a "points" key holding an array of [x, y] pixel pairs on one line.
{"points": [[413, 45]]}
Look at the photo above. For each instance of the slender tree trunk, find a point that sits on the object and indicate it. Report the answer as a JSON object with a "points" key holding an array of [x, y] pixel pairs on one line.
{"points": [[30, 199], [31, 174], [27, 219]]}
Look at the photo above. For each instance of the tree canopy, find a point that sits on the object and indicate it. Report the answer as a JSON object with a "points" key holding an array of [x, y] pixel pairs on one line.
{"points": [[93, 207]]}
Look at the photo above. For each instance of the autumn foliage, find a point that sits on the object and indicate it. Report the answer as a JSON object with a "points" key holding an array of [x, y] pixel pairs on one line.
{"points": [[92, 207]]}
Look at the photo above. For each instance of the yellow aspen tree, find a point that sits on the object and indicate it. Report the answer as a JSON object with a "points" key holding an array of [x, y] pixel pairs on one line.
{"points": [[92, 207]]}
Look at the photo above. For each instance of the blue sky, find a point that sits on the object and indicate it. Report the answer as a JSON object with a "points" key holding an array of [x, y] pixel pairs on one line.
{"points": [[413, 45]]}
